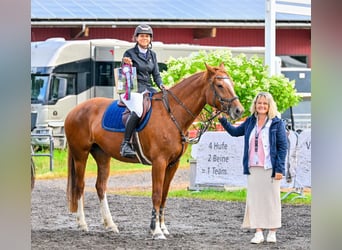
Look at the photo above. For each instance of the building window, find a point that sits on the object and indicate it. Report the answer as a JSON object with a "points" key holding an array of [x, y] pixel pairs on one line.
{"points": [[291, 61]]}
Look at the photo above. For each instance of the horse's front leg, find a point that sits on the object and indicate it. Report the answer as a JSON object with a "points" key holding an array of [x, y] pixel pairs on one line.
{"points": [[156, 231], [158, 173], [106, 215], [162, 221], [169, 174]]}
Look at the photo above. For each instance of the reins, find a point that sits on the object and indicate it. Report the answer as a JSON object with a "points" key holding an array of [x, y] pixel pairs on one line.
{"points": [[165, 101], [203, 128]]}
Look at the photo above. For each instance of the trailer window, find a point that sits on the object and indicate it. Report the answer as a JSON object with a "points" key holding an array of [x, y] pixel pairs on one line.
{"points": [[104, 74], [61, 86], [38, 88]]}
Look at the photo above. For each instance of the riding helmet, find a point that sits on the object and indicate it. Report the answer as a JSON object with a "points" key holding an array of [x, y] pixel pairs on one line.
{"points": [[143, 29]]}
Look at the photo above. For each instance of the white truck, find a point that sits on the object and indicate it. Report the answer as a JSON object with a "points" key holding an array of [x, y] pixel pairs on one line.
{"points": [[66, 73]]}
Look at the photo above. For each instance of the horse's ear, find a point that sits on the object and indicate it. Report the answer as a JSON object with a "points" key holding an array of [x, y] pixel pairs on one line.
{"points": [[209, 68], [222, 66]]}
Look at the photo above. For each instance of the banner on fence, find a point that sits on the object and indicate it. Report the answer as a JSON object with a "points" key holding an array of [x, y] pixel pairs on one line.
{"points": [[219, 159]]}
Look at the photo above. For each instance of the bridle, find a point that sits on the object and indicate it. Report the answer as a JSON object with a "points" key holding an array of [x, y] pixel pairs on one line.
{"points": [[225, 102]]}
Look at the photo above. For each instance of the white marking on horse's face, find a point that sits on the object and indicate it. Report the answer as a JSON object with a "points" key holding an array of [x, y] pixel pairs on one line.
{"points": [[230, 85], [228, 82]]}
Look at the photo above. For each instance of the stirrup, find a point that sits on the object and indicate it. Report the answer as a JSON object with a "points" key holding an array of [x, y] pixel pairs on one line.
{"points": [[127, 151]]}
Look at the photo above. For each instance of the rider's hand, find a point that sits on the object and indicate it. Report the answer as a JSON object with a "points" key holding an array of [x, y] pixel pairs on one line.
{"points": [[127, 60]]}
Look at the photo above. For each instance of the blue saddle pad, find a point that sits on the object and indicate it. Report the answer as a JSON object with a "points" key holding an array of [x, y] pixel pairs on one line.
{"points": [[112, 118]]}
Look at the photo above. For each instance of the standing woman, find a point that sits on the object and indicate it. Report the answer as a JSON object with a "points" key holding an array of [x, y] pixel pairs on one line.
{"points": [[265, 146], [145, 60]]}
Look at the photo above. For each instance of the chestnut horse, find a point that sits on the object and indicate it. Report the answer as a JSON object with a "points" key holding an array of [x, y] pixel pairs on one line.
{"points": [[163, 140]]}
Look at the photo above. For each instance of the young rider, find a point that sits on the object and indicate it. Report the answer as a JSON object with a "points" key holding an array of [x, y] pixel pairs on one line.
{"points": [[145, 61]]}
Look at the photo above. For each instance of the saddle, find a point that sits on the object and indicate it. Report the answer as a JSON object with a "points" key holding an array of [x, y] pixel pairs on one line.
{"points": [[135, 138], [146, 108], [115, 116]]}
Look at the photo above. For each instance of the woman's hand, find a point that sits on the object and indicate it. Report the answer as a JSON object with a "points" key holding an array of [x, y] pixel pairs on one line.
{"points": [[218, 113], [127, 60], [278, 176]]}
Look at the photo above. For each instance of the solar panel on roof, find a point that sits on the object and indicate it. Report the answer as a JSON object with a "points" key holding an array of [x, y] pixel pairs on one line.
{"points": [[155, 9]]}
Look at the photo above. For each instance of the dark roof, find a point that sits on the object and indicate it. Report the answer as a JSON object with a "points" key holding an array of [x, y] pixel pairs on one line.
{"points": [[156, 10]]}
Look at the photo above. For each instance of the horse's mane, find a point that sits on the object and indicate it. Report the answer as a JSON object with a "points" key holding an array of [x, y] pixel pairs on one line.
{"points": [[204, 74], [188, 79]]}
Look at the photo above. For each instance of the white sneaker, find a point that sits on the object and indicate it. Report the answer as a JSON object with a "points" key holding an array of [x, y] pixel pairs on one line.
{"points": [[258, 238], [271, 237]]}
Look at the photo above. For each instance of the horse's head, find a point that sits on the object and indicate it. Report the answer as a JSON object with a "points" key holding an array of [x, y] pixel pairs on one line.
{"points": [[221, 93]]}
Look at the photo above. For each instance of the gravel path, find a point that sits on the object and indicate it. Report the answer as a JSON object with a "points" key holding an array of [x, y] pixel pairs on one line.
{"points": [[193, 224]]}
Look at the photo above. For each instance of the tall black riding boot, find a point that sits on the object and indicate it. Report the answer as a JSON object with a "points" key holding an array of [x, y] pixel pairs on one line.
{"points": [[126, 147]]}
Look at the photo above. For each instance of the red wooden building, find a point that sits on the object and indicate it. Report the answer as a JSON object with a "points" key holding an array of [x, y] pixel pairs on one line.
{"points": [[219, 23]]}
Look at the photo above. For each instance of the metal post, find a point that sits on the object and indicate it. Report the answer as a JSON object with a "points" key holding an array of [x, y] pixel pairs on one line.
{"points": [[270, 35], [51, 152]]}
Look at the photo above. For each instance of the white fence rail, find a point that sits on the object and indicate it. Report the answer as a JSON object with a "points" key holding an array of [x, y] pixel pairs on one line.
{"points": [[302, 121]]}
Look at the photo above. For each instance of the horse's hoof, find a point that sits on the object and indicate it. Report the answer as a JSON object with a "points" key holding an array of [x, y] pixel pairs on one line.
{"points": [[113, 228], [84, 228], [165, 231], [159, 236], [110, 226]]}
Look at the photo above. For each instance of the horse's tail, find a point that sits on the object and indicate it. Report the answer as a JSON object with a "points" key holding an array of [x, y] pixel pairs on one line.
{"points": [[71, 186]]}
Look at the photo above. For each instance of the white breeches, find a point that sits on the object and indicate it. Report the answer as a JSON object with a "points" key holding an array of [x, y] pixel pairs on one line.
{"points": [[135, 103]]}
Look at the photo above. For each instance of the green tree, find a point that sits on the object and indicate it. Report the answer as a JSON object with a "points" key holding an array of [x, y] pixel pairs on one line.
{"points": [[249, 75]]}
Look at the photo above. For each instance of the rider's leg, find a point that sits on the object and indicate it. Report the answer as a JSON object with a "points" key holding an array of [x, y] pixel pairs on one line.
{"points": [[126, 147]]}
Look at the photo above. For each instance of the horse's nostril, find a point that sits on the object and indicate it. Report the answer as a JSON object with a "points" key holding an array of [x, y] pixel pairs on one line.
{"points": [[239, 111]]}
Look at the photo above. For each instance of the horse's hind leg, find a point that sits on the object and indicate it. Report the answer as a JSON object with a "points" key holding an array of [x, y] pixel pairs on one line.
{"points": [[103, 164], [169, 174], [80, 217], [75, 186]]}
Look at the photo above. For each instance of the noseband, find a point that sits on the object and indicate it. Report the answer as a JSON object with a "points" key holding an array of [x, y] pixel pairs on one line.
{"points": [[224, 101]]}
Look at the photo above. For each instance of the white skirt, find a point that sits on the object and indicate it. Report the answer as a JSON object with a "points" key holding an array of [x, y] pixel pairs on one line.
{"points": [[263, 203], [135, 103]]}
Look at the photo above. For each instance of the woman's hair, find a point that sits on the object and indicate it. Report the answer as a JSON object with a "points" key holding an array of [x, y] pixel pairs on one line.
{"points": [[272, 106]]}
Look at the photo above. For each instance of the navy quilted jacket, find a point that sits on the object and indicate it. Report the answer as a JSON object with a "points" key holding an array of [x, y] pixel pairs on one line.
{"points": [[146, 67], [277, 137]]}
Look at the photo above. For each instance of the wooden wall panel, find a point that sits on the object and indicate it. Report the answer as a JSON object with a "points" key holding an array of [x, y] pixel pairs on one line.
{"points": [[288, 41]]}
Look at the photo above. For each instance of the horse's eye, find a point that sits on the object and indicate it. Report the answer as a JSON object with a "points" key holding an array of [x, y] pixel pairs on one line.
{"points": [[220, 86]]}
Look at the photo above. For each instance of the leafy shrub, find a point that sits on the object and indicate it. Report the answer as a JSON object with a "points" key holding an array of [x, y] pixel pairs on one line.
{"points": [[249, 75]]}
